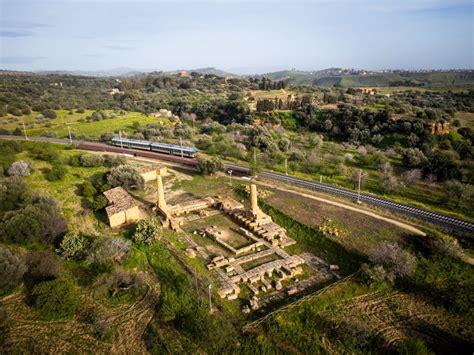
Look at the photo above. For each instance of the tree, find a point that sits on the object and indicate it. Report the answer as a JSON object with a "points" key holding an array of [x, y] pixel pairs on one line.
{"points": [[413, 157], [49, 114], [410, 177], [393, 258], [106, 250], [12, 193], [443, 164], [387, 180], [209, 166], [146, 232], [12, 268], [457, 191], [38, 220], [19, 168], [75, 246], [88, 190], [92, 160], [56, 173], [55, 299], [126, 176]]}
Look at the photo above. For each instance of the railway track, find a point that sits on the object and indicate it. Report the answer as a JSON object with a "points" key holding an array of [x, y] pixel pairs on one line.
{"points": [[444, 221]]}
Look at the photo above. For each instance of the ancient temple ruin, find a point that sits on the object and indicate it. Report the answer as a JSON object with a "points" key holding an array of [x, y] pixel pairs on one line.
{"points": [[172, 213]]}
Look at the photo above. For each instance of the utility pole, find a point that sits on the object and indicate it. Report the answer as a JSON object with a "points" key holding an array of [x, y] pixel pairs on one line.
{"points": [[70, 137], [230, 176], [286, 166], [181, 145], [360, 176], [320, 178], [120, 135], [24, 130], [210, 301]]}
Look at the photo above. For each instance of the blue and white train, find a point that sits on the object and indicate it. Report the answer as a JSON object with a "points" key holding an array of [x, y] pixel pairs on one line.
{"points": [[165, 148]]}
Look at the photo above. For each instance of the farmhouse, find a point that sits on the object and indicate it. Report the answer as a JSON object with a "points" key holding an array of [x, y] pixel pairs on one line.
{"points": [[122, 208], [150, 172]]}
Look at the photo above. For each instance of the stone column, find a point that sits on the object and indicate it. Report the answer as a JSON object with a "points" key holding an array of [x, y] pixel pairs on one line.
{"points": [[253, 199], [161, 194]]}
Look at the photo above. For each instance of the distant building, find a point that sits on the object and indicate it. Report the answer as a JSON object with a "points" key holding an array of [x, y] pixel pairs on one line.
{"points": [[368, 91], [115, 91], [150, 172], [183, 74], [122, 208]]}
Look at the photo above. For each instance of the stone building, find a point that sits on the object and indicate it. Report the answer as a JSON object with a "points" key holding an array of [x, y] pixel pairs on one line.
{"points": [[122, 208], [150, 172]]}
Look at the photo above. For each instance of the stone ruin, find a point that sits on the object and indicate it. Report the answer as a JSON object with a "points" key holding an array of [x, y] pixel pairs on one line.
{"points": [[267, 239], [439, 129], [172, 213]]}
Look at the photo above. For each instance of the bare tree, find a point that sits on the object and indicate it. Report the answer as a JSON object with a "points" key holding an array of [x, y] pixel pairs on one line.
{"points": [[410, 177], [19, 168], [393, 258]]}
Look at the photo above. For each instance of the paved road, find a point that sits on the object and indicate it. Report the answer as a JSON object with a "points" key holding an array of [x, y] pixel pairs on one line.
{"points": [[446, 222]]}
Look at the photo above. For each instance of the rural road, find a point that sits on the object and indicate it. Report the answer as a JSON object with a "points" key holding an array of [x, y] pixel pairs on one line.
{"points": [[444, 221]]}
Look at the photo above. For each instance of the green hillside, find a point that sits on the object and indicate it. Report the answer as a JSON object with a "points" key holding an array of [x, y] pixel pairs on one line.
{"points": [[334, 76]]}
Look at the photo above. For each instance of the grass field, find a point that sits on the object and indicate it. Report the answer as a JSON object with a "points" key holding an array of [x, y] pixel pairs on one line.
{"points": [[359, 232], [466, 119], [92, 130]]}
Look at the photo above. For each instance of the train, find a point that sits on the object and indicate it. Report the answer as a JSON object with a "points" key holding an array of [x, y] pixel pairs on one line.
{"points": [[172, 149]]}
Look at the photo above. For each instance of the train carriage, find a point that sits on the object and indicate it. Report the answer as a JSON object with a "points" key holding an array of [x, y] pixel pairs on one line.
{"points": [[165, 148]]}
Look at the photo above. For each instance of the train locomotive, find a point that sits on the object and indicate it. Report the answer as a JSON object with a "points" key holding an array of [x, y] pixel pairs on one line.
{"points": [[165, 148]]}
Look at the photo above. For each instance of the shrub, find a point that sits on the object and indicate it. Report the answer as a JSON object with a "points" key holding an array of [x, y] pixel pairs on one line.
{"points": [[393, 258], [106, 250], [126, 176], [75, 160], [19, 168], [45, 152], [123, 286], [99, 202], [209, 166], [88, 190], [56, 173], [114, 160], [56, 299], [12, 193], [75, 246], [38, 220], [92, 160], [146, 232], [42, 266], [12, 268], [51, 114]]}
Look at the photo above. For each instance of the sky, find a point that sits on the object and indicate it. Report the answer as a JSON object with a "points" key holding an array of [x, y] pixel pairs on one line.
{"points": [[244, 37]]}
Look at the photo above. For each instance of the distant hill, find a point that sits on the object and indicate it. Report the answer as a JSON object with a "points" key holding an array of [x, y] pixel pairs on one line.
{"points": [[208, 70], [361, 78], [122, 72]]}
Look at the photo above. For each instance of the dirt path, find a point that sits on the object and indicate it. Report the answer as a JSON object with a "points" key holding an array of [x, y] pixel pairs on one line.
{"points": [[355, 209]]}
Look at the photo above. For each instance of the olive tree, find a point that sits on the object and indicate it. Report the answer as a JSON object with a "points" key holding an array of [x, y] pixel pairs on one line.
{"points": [[209, 166], [12, 268], [107, 250], [126, 176]]}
